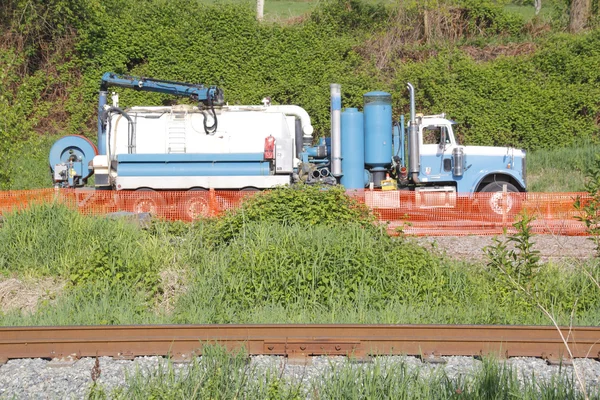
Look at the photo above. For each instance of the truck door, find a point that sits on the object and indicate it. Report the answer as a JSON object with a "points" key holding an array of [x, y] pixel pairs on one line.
{"points": [[436, 153]]}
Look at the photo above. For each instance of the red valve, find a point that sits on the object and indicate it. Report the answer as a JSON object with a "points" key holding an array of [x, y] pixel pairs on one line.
{"points": [[269, 148]]}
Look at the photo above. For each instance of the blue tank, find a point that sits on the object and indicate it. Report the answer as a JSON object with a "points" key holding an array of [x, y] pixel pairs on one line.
{"points": [[378, 130], [353, 149]]}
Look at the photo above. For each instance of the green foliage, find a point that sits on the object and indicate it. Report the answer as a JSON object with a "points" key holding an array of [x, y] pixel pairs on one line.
{"points": [[320, 266], [299, 204], [269, 273], [562, 169], [52, 239], [521, 262], [347, 16], [515, 265], [489, 18], [542, 100], [518, 273], [589, 210]]}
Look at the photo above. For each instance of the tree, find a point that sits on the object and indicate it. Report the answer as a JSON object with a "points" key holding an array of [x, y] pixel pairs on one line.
{"points": [[260, 6], [579, 15]]}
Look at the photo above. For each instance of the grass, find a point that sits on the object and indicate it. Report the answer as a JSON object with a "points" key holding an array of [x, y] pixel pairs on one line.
{"points": [[31, 167], [562, 169], [267, 273], [528, 12], [285, 10], [218, 374]]}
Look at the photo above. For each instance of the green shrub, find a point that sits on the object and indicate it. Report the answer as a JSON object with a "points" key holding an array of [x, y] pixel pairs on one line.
{"points": [[490, 18], [287, 205]]}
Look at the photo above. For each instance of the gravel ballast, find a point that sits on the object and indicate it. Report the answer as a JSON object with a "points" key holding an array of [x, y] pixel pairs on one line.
{"points": [[37, 379]]}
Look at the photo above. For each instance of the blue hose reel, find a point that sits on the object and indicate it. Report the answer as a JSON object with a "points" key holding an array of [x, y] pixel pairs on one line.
{"points": [[71, 160]]}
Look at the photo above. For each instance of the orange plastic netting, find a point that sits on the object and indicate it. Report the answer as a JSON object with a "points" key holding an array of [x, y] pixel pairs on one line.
{"points": [[413, 213]]}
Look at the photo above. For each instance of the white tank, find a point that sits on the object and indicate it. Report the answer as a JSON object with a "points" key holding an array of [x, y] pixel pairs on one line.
{"points": [[180, 129]]}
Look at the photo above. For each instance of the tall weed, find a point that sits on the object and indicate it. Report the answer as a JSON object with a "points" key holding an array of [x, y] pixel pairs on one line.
{"points": [[52, 239]]}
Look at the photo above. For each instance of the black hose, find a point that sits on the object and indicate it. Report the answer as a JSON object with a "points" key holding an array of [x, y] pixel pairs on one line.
{"points": [[130, 127], [213, 128]]}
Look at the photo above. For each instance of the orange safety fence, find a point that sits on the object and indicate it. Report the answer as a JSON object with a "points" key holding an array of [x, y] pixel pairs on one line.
{"points": [[414, 213]]}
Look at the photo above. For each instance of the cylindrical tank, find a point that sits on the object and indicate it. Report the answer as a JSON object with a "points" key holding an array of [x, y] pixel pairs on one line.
{"points": [[378, 130], [353, 149]]}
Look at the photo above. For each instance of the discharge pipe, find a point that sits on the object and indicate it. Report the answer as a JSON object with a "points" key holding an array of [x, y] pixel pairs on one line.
{"points": [[101, 126], [290, 110], [336, 130], [413, 138]]}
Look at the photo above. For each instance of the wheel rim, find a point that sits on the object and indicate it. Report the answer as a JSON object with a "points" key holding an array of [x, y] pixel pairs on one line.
{"points": [[196, 207], [145, 205], [496, 203]]}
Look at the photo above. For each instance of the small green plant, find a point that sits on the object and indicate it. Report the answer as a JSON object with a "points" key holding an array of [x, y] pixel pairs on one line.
{"points": [[519, 267], [522, 261], [589, 209]]}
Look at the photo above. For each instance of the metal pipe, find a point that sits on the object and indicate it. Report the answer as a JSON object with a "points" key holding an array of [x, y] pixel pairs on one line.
{"points": [[297, 111], [298, 142], [413, 138], [336, 130], [101, 126], [324, 172], [413, 111], [402, 141]]}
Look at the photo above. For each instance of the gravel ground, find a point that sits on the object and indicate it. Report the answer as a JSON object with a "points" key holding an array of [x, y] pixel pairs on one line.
{"points": [[551, 247], [36, 379]]}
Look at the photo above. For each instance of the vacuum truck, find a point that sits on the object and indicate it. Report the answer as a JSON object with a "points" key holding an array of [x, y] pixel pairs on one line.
{"points": [[213, 145]]}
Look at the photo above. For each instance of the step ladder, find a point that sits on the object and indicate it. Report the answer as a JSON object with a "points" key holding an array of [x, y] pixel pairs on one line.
{"points": [[176, 132]]}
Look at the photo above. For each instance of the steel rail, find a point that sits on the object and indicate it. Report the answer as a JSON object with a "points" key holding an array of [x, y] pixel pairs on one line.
{"points": [[181, 341]]}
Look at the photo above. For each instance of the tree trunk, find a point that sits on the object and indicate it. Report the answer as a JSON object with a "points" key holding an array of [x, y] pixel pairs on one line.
{"points": [[538, 6], [260, 7], [579, 15]]}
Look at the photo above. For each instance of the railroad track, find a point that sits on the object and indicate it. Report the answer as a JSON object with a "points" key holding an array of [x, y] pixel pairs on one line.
{"points": [[182, 342]]}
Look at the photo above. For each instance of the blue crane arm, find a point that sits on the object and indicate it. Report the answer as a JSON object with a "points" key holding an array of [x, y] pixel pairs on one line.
{"points": [[208, 95]]}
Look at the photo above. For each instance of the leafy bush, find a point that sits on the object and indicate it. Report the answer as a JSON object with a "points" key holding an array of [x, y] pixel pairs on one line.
{"points": [[489, 18], [288, 205]]}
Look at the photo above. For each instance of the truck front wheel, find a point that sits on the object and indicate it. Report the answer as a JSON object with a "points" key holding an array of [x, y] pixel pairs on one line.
{"points": [[497, 203]]}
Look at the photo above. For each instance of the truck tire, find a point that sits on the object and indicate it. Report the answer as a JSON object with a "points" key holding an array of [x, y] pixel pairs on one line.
{"points": [[195, 204], [148, 201], [493, 207]]}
